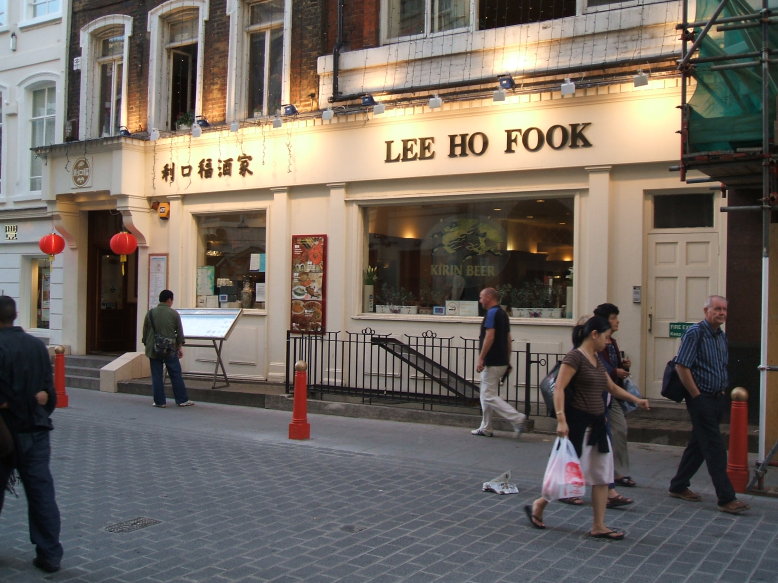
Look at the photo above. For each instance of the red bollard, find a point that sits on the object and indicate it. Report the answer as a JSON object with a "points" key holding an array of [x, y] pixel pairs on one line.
{"points": [[737, 460], [59, 377], [299, 428]]}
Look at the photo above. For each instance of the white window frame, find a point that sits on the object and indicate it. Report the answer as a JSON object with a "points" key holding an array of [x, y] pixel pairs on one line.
{"points": [[238, 59], [159, 68], [386, 39], [91, 37], [29, 121], [29, 8]]}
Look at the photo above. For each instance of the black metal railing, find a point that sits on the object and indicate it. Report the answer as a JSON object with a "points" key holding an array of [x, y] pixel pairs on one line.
{"points": [[426, 370]]}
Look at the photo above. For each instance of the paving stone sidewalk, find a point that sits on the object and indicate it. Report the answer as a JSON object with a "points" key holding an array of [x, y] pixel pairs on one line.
{"points": [[224, 496]]}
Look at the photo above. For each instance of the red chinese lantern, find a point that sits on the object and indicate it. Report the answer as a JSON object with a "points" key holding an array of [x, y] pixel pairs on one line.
{"points": [[123, 244], [51, 244]]}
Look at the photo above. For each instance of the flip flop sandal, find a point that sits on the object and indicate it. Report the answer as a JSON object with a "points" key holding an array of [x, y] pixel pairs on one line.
{"points": [[616, 501], [609, 535], [574, 501], [626, 481], [533, 520]]}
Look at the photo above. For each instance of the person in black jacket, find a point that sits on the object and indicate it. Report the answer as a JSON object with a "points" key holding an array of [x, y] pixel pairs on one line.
{"points": [[27, 399]]}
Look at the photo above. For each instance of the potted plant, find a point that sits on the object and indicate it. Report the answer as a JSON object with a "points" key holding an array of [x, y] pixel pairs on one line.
{"points": [[184, 120], [369, 277]]}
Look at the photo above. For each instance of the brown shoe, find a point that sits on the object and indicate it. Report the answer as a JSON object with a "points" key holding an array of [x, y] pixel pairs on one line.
{"points": [[734, 507], [687, 495]]}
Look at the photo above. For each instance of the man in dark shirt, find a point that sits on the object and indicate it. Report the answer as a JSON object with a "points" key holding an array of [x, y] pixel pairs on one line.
{"points": [[493, 360], [27, 399], [702, 367], [165, 321]]}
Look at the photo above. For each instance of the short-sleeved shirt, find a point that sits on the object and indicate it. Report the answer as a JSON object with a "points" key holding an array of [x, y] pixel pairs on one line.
{"points": [[496, 318], [589, 383], [704, 351]]}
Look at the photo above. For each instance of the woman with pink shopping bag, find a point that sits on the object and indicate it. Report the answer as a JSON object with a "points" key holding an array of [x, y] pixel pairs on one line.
{"points": [[581, 418]]}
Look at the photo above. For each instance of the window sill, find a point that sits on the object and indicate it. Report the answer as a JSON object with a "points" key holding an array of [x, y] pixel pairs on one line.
{"points": [[40, 21], [460, 319]]}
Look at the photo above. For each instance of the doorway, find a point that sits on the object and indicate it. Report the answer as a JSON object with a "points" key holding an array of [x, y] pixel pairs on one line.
{"points": [[112, 296], [684, 264]]}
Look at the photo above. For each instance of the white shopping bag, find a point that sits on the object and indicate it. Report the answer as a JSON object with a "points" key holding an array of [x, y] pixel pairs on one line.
{"points": [[563, 477]]}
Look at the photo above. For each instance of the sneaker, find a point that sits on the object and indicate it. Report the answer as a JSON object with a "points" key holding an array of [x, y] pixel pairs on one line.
{"points": [[186, 404], [162, 406], [45, 565], [518, 429], [481, 432], [687, 495]]}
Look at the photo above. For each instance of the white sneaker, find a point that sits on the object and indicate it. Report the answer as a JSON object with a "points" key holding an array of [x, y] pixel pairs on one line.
{"points": [[481, 432], [186, 404]]}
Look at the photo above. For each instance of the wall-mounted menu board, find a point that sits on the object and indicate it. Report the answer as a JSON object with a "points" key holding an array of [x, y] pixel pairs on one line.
{"points": [[309, 276]]}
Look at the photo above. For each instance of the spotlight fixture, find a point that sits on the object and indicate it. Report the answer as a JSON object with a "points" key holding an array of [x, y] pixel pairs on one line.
{"points": [[13, 41], [201, 121], [124, 132], [289, 109], [499, 95], [154, 134], [506, 82], [234, 126], [367, 100], [327, 114], [434, 102], [197, 130], [641, 79], [568, 87], [379, 108], [277, 122]]}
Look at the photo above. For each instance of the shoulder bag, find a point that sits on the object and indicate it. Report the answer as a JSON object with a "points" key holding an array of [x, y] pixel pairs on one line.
{"points": [[547, 388], [672, 387], [164, 347]]}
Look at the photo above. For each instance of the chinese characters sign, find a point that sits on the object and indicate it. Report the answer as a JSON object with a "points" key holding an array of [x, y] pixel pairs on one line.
{"points": [[206, 169], [309, 259]]}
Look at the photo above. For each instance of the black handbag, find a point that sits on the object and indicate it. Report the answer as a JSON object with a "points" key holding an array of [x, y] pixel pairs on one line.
{"points": [[672, 387], [547, 389]]}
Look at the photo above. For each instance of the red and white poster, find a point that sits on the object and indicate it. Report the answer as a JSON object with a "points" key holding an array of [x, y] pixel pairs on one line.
{"points": [[309, 276]]}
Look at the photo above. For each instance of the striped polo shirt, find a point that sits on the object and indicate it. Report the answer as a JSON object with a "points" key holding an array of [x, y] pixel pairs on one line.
{"points": [[704, 351]]}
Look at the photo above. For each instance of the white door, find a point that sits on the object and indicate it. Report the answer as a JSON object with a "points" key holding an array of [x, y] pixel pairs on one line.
{"points": [[684, 266]]}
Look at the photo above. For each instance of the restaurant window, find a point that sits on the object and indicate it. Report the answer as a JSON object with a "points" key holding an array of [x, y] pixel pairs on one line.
{"points": [[231, 268], [436, 258], [41, 293]]}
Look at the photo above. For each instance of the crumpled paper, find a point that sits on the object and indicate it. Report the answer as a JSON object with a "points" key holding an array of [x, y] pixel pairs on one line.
{"points": [[501, 485]]}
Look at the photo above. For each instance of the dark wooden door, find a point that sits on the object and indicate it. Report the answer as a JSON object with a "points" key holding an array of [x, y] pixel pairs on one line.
{"points": [[112, 296]]}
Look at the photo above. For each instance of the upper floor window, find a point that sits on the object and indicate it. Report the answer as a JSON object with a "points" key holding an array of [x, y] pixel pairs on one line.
{"points": [[3, 13], [42, 8], [412, 18], [42, 120], [265, 32], [103, 83], [1, 143], [176, 62], [499, 13]]}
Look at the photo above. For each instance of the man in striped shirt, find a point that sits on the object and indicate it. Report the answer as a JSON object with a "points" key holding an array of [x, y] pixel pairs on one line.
{"points": [[702, 367]]}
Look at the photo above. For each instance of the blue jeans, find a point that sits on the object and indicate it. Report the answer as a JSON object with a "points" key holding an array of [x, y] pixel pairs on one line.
{"points": [[33, 451], [176, 379]]}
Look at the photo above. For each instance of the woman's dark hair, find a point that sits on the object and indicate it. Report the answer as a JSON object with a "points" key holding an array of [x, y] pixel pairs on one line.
{"points": [[593, 324], [605, 310]]}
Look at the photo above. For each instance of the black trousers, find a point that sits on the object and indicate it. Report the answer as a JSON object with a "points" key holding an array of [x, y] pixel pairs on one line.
{"points": [[706, 445]]}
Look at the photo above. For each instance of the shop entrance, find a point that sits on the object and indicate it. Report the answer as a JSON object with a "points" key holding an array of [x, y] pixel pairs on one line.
{"points": [[683, 269], [112, 298]]}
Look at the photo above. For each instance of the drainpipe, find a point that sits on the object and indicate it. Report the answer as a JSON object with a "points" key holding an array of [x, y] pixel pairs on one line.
{"points": [[336, 53]]}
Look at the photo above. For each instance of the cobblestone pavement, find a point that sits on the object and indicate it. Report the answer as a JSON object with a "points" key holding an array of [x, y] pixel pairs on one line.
{"points": [[214, 493]]}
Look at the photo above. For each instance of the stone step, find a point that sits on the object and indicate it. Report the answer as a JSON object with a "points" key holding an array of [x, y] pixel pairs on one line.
{"points": [[83, 371], [82, 382]]}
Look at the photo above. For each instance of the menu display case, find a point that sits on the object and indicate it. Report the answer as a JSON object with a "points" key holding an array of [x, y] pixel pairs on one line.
{"points": [[309, 277]]}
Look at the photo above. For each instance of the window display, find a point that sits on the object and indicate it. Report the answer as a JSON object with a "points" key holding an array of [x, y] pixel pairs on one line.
{"points": [[231, 272], [436, 258]]}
